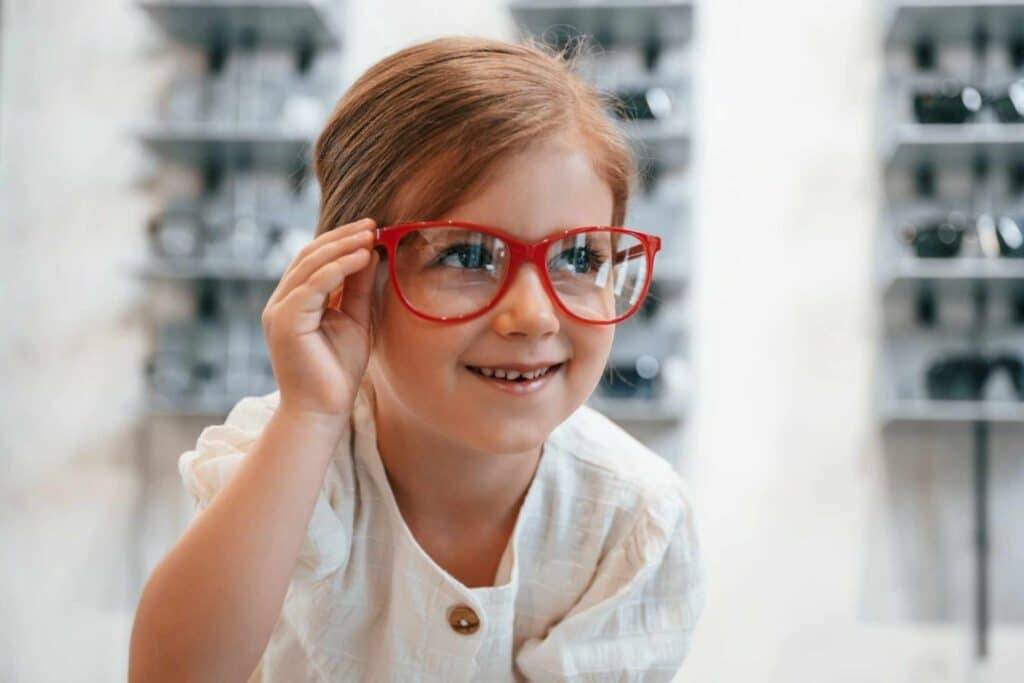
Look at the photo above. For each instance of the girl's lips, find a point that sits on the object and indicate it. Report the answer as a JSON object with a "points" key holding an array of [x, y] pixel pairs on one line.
{"points": [[520, 387]]}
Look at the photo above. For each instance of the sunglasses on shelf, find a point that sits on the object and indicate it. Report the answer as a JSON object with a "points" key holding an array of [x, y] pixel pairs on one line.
{"points": [[637, 379], [647, 104], [955, 104], [996, 236], [964, 377]]}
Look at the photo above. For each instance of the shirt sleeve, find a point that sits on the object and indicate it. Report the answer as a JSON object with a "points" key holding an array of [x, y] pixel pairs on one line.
{"points": [[636, 619], [218, 454]]}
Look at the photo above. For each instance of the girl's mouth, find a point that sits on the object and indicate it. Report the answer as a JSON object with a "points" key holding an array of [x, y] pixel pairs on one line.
{"points": [[517, 382]]}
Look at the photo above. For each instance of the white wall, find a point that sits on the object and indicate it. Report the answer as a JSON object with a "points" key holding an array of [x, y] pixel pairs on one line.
{"points": [[833, 555], [74, 76]]}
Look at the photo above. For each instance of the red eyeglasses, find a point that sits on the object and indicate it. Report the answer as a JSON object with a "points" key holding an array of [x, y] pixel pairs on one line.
{"points": [[452, 271]]}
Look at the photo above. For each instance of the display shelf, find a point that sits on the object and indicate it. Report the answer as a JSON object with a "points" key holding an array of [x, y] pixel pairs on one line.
{"points": [[623, 21], [265, 147], [950, 20], [953, 144], [204, 269], [612, 83], [969, 269], [268, 22], [667, 142], [924, 410]]}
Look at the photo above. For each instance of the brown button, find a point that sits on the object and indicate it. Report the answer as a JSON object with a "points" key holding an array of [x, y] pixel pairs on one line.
{"points": [[463, 620]]}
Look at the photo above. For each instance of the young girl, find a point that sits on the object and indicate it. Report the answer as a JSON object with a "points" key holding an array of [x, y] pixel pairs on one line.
{"points": [[427, 497]]}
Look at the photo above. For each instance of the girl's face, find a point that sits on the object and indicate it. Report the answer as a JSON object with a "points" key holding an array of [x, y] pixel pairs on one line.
{"points": [[424, 364]]}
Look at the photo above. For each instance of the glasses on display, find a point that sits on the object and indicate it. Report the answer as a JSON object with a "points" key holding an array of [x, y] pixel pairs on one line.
{"points": [[996, 236], [954, 103], [964, 377], [451, 271], [638, 379], [644, 105]]}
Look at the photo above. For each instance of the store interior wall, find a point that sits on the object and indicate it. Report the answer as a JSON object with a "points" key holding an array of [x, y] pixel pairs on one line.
{"points": [[75, 75], [834, 553]]}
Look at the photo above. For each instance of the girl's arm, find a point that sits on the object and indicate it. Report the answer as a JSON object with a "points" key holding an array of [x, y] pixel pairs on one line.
{"points": [[209, 607], [208, 610]]}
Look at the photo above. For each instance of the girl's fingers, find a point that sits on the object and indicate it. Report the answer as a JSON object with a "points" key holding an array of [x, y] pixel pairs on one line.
{"points": [[331, 235], [328, 237], [310, 296], [358, 291], [331, 251]]}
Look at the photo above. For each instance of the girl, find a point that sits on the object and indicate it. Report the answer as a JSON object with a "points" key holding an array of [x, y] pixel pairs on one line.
{"points": [[427, 497]]}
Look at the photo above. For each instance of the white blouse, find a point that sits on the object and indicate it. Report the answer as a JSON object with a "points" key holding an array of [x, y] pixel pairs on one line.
{"points": [[602, 579]]}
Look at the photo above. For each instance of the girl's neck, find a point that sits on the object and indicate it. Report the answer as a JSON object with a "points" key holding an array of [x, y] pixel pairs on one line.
{"points": [[439, 483]]}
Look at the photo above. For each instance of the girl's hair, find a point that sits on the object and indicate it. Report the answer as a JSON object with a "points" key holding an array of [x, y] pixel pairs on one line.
{"points": [[415, 135]]}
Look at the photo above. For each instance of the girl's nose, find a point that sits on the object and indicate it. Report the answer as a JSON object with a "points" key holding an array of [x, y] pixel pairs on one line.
{"points": [[526, 309]]}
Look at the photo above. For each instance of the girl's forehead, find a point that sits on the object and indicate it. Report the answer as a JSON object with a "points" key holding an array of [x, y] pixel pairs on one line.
{"points": [[543, 191], [526, 233]]}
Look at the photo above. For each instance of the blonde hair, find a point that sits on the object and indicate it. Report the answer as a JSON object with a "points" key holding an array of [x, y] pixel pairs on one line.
{"points": [[417, 132]]}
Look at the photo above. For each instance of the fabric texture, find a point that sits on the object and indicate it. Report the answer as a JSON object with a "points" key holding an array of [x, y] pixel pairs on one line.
{"points": [[602, 578]]}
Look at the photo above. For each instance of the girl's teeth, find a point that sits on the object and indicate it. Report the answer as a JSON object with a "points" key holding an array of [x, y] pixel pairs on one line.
{"points": [[512, 375]]}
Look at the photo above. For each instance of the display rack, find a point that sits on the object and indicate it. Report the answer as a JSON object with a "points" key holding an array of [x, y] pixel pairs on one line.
{"points": [[245, 126], [642, 49], [277, 22], [948, 273]]}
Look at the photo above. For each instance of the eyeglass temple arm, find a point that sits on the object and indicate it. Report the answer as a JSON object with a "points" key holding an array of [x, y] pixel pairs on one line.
{"points": [[638, 250]]}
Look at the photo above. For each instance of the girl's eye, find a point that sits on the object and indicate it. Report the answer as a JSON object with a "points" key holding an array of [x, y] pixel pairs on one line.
{"points": [[465, 256], [578, 260]]}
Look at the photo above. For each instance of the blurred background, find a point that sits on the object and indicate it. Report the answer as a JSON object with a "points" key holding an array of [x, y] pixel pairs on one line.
{"points": [[832, 355]]}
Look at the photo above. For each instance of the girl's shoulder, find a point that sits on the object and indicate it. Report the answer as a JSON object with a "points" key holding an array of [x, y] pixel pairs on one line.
{"points": [[220, 446], [609, 461], [633, 500]]}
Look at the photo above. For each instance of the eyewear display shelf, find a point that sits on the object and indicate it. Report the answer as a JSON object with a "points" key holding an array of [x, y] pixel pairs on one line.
{"points": [[950, 266], [246, 135], [242, 126], [638, 53], [277, 22]]}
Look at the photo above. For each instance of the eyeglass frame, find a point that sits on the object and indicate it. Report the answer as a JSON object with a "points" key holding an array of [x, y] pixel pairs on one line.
{"points": [[520, 252]]}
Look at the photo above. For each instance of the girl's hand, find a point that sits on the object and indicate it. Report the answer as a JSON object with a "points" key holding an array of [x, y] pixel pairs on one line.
{"points": [[319, 354]]}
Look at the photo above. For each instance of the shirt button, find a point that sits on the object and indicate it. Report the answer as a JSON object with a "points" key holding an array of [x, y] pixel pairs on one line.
{"points": [[463, 620]]}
